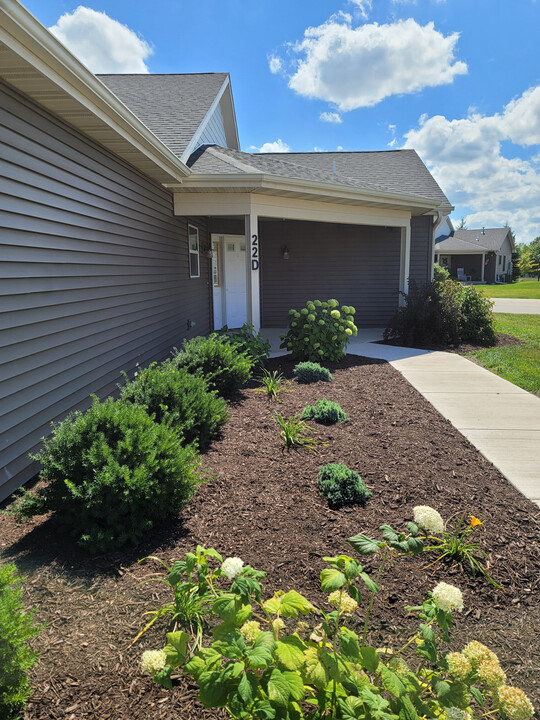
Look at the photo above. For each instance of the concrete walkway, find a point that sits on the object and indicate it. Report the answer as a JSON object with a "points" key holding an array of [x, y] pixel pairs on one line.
{"points": [[516, 305], [501, 420]]}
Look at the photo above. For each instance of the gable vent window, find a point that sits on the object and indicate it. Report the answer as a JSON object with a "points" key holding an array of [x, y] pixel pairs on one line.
{"points": [[193, 240]]}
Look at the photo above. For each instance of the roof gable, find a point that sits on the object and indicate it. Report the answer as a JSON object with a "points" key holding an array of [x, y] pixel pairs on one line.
{"points": [[483, 240]]}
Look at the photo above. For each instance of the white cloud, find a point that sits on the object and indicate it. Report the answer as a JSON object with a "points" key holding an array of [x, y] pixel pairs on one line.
{"points": [[275, 64], [104, 45], [359, 67], [363, 6], [330, 117], [467, 158], [278, 146]]}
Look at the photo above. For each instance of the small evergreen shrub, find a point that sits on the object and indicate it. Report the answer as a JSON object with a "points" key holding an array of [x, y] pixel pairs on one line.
{"points": [[113, 473], [246, 340], [224, 367], [320, 331], [342, 486], [16, 657], [477, 317], [180, 399], [310, 372], [325, 412], [440, 274]]}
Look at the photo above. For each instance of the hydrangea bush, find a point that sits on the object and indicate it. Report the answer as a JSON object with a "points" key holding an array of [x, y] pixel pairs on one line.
{"points": [[320, 331], [283, 658]]}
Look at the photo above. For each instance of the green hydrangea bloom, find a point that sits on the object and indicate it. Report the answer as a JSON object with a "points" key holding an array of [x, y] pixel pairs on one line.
{"points": [[335, 314], [321, 322], [304, 311], [348, 331], [321, 352], [311, 317]]}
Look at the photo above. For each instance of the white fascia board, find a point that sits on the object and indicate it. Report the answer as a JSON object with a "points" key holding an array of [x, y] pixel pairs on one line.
{"points": [[28, 38], [193, 143], [476, 251], [293, 185]]}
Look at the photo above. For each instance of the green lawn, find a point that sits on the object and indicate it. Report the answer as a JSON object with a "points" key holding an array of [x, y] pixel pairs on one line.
{"points": [[520, 364], [523, 288]]}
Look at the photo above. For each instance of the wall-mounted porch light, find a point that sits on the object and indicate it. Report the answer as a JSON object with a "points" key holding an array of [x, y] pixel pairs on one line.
{"points": [[284, 252]]}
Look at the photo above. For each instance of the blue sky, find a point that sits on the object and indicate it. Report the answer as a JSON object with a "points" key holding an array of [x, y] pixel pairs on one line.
{"points": [[458, 80]]}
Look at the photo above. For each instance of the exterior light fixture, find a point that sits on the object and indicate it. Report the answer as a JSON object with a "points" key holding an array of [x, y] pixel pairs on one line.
{"points": [[285, 252]]}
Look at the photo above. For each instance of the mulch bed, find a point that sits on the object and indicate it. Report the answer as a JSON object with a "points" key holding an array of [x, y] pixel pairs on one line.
{"points": [[263, 506]]}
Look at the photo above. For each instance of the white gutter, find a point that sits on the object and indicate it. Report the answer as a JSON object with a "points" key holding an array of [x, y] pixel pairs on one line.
{"points": [[37, 47]]}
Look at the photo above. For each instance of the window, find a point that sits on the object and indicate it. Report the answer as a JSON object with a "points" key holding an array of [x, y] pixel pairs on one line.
{"points": [[504, 263], [193, 242], [216, 263], [500, 259]]}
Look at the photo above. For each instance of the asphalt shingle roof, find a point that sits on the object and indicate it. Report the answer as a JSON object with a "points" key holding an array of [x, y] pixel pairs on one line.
{"points": [[393, 171], [467, 240], [171, 106]]}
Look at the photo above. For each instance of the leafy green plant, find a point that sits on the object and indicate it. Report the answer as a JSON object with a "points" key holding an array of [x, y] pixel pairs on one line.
{"points": [[325, 412], [180, 399], [224, 367], [272, 383], [113, 474], [477, 324], [320, 331], [310, 372], [265, 663], [342, 486], [246, 340], [440, 274], [16, 657], [294, 433], [456, 543]]}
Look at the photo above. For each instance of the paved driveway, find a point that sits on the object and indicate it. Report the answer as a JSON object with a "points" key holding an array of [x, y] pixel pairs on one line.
{"points": [[516, 305]]}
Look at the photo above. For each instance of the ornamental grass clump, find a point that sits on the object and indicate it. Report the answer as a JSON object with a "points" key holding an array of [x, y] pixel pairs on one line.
{"points": [[310, 372], [273, 383], [320, 331], [180, 399], [295, 433], [113, 473], [16, 657], [281, 656], [325, 412], [225, 368], [342, 486]]}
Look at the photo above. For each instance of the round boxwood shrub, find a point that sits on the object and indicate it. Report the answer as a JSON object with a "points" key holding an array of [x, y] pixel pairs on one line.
{"points": [[180, 399], [113, 474], [310, 372], [342, 486], [224, 367], [16, 656], [320, 331], [325, 412]]}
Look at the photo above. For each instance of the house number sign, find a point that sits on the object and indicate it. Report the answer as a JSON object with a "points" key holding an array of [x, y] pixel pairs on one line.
{"points": [[254, 252]]}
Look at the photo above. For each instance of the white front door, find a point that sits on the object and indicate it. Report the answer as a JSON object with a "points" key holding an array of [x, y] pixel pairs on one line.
{"points": [[229, 273]]}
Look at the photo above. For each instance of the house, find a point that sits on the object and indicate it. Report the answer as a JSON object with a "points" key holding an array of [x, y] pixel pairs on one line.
{"points": [[132, 220], [483, 255]]}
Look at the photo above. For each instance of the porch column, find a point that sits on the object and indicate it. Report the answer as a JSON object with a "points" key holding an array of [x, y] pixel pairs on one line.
{"points": [[405, 260], [483, 261], [253, 260]]}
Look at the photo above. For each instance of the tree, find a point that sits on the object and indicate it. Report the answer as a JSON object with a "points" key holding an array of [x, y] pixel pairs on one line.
{"points": [[528, 263], [462, 225], [534, 249]]}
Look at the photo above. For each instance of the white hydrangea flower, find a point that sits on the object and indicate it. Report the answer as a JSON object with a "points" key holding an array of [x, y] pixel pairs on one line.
{"points": [[448, 597], [342, 601], [428, 519], [515, 703], [231, 567], [454, 713], [458, 665], [152, 661], [250, 630]]}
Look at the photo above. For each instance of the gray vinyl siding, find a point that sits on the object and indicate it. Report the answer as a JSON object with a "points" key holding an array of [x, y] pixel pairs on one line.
{"points": [[421, 263], [94, 276], [356, 265], [214, 132]]}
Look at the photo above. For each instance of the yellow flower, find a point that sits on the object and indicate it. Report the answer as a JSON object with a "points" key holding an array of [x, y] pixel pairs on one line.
{"points": [[475, 521], [515, 703]]}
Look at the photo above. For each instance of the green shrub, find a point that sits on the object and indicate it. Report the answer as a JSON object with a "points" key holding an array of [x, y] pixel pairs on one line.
{"points": [[16, 657], [224, 368], [477, 322], [445, 313], [180, 399], [342, 486], [440, 274], [319, 332], [310, 372], [326, 412], [253, 344], [113, 473]]}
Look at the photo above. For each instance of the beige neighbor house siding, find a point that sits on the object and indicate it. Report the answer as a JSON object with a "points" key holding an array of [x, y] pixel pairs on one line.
{"points": [[94, 276], [357, 265]]}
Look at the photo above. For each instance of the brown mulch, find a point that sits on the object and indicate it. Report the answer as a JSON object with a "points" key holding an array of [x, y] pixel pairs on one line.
{"points": [[264, 507]]}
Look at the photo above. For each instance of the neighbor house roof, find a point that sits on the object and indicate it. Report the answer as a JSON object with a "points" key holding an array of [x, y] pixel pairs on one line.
{"points": [[467, 241], [392, 171], [173, 107]]}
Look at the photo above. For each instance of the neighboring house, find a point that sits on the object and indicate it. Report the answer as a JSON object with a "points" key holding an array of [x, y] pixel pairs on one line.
{"points": [[131, 220], [444, 229], [483, 255]]}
